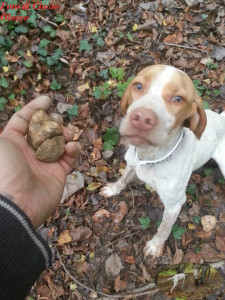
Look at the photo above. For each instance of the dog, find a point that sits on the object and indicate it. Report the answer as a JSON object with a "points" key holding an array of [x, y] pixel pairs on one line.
{"points": [[170, 135]]}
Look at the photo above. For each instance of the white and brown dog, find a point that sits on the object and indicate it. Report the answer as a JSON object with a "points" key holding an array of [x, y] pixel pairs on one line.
{"points": [[169, 135]]}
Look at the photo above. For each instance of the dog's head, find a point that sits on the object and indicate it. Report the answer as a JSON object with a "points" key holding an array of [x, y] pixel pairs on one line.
{"points": [[159, 100]]}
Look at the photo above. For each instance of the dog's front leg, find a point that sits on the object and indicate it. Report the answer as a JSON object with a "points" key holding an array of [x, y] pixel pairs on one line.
{"points": [[155, 246], [115, 188]]}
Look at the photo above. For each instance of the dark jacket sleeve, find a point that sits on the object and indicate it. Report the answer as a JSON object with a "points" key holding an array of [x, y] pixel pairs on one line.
{"points": [[23, 253]]}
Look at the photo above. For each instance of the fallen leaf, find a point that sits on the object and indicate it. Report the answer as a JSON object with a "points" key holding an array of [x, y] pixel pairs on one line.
{"points": [[130, 260], [123, 210], [100, 214], [80, 233], [178, 256], [113, 265], [81, 267], [208, 222], [204, 235], [83, 87], [220, 239], [93, 186], [120, 284], [64, 237]]}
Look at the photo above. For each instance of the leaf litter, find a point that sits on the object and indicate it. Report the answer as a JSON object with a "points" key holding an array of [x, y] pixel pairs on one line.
{"points": [[83, 56]]}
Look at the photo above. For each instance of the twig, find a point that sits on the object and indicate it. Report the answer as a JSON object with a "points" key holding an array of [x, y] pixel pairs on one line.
{"points": [[79, 283], [122, 238], [116, 296], [47, 21], [182, 46]]}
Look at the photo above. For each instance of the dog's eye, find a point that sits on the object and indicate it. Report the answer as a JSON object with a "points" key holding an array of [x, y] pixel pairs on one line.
{"points": [[177, 99], [138, 86]]}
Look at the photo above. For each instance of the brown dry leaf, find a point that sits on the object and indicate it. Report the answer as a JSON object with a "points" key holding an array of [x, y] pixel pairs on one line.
{"points": [[186, 239], [208, 222], [204, 235], [175, 38], [145, 274], [208, 253], [64, 237], [130, 260], [222, 217], [80, 233], [96, 154], [120, 284], [123, 210], [100, 214], [178, 256], [56, 290], [220, 239], [82, 88], [12, 58], [192, 257], [81, 266]]}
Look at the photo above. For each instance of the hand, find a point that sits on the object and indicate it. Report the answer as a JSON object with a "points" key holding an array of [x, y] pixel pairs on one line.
{"points": [[36, 187]]}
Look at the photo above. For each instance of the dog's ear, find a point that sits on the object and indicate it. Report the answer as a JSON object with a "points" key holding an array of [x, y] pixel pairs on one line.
{"points": [[197, 120], [125, 101]]}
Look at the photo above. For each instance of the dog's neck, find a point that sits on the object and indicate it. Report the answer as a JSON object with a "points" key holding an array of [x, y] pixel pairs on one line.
{"points": [[149, 153]]}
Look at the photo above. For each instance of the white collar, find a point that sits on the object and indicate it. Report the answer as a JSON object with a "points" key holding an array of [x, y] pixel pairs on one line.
{"points": [[167, 157]]}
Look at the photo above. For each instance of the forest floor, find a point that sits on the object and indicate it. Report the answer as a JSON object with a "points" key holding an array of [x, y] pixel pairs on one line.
{"points": [[83, 56]]}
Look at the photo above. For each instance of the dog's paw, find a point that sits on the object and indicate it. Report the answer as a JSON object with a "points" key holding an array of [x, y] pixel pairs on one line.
{"points": [[109, 190], [154, 249]]}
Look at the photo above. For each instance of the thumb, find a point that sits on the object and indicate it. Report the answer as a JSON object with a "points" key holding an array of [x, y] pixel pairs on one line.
{"points": [[21, 119]]}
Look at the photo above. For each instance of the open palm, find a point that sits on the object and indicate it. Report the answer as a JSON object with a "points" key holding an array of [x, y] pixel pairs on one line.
{"points": [[36, 187]]}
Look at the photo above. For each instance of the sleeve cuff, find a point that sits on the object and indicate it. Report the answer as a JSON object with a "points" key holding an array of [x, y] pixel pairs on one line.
{"points": [[23, 253]]}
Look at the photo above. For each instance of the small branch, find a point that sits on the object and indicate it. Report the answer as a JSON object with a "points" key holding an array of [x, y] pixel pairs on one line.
{"points": [[182, 46], [47, 21], [122, 238], [116, 296]]}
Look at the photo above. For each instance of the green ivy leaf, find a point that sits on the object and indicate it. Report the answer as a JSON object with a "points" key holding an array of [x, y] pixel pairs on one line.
{"points": [[113, 72], [17, 108], [73, 111], [104, 74], [4, 83], [208, 171], [32, 20], [129, 36], [97, 92], [206, 105], [3, 102], [178, 231], [2, 41], [48, 29], [55, 85], [42, 51], [191, 189], [44, 43], [120, 74], [84, 45], [112, 134], [196, 219], [21, 29], [59, 18], [108, 145], [144, 222], [100, 41], [28, 63], [12, 97]]}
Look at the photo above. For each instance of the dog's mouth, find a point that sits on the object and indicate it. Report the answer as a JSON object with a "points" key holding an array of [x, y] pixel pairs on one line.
{"points": [[137, 141]]}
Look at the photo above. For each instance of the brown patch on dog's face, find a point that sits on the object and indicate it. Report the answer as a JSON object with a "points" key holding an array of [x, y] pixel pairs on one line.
{"points": [[145, 79], [190, 109]]}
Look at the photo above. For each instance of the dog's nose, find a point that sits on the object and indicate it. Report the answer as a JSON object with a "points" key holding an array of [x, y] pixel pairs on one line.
{"points": [[143, 119]]}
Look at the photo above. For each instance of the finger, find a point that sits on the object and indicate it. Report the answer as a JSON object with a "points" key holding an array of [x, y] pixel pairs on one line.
{"points": [[70, 155], [21, 119], [68, 134]]}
